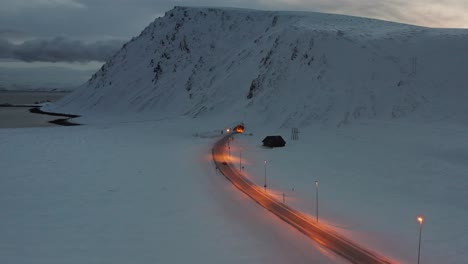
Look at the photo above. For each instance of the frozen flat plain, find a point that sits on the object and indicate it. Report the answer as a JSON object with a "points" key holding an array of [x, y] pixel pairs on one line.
{"points": [[132, 193], [146, 191], [374, 178]]}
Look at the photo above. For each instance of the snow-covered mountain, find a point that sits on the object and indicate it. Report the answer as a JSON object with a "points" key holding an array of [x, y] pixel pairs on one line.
{"points": [[286, 68]]}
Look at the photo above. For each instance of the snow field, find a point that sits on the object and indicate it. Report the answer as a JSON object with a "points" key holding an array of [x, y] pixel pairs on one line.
{"points": [[131, 193], [374, 178]]}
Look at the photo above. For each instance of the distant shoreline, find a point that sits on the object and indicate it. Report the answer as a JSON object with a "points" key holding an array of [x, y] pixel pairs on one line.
{"points": [[8, 98], [34, 91], [18, 109], [19, 105], [61, 121]]}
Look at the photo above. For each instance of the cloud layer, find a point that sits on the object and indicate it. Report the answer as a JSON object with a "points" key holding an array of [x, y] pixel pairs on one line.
{"points": [[59, 49]]}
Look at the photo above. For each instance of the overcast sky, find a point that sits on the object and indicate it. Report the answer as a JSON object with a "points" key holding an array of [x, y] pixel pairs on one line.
{"points": [[80, 31], [97, 25]]}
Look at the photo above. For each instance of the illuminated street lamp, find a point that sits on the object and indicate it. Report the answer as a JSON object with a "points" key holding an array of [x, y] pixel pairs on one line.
{"points": [[316, 200], [420, 220], [265, 185]]}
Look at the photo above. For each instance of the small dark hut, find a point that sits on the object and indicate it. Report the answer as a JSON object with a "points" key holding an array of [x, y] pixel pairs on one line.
{"points": [[274, 141]]}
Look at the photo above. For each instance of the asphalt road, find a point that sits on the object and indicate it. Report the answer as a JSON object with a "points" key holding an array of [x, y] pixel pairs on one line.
{"points": [[340, 245]]}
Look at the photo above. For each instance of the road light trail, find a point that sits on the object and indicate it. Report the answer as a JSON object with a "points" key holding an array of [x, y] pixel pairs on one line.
{"points": [[318, 232]]}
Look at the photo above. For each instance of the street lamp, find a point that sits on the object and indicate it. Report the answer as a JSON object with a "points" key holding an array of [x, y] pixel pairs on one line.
{"points": [[265, 185], [420, 220], [316, 200]]}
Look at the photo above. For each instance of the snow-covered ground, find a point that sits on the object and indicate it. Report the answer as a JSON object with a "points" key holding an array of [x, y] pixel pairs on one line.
{"points": [[141, 192], [147, 192], [375, 178]]}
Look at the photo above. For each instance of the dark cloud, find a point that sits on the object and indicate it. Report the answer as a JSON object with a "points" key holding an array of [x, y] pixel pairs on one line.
{"points": [[98, 19], [5, 48], [59, 49], [13, 35]]}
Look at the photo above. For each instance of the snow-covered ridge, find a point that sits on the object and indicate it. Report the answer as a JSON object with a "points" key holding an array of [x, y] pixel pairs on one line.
{"points": [[286, 68]]}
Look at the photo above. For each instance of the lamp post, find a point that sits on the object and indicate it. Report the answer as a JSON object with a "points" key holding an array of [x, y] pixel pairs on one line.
{"points": [[316, 200], [420, 220], [265, 185]]}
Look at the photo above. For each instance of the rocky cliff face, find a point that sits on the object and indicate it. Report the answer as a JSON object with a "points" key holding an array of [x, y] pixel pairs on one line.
{"points": [[289, 68]]}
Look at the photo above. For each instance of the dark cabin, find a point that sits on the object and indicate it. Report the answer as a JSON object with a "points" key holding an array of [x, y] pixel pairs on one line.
{"points": [[274, 141]]}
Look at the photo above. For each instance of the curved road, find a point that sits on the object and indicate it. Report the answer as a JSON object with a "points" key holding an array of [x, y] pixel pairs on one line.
{"points": [[319, 233]]}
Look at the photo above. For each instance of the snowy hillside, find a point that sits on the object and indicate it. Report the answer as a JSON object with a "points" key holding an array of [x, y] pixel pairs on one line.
{"points": [[289, 68]]}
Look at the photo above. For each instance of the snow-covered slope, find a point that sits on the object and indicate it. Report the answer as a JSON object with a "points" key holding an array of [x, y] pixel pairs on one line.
{"points": [[287, 68]]}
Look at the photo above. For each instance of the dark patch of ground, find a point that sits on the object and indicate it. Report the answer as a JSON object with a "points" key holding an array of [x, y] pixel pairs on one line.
{"points": [[60, 121]]}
